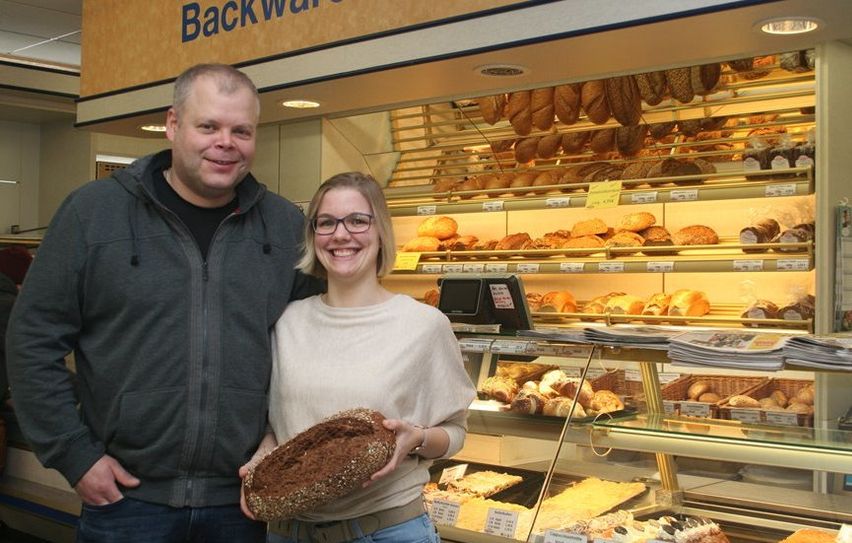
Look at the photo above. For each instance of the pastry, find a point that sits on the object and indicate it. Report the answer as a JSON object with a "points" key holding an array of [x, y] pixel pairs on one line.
{"points": [[550, 381], [658, 304], [513, 242], [588, 227], [695, 235], [566, 102], [810, 535], [502, 389], [541, 106], [523, 372], [319, 465], [461, 243], [561, 407], [636, 222], [491, 107], [568, 388], [519, 112], [485, 245], [438, 226], [594, 101], [558, 302], [652, 87], [606, 401], [422, 244], [688, 303]]}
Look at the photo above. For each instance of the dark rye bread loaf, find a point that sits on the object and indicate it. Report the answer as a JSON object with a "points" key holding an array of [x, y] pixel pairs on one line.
{"points": [[317, 466]]}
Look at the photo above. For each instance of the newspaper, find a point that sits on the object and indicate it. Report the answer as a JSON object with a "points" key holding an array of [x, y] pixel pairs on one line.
{"points": [[646, 337], [729, 349], [569, 335], [822, 352]]}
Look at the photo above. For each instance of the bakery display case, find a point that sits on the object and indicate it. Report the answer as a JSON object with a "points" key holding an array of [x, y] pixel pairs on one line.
{"points": [[687, 210]]}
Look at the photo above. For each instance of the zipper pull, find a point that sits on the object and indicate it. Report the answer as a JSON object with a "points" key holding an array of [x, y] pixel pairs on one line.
{"points": [[204, 274]]}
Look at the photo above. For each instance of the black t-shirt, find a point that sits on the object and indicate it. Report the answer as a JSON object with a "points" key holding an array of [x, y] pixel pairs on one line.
{"points": [[201, 221]]}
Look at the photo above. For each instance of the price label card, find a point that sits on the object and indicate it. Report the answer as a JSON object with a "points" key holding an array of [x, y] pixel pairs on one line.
{"points": [[660, 267], [611, 267], [499, 267], [572, 372], [594, 373], [604, 194], [432, 268], [509, 347], [500, 296], [474, 345], [668, 407], [748, 265], [782, 418], [603, 540], [501, 522], [668, 376], [793, 264], [558, 202], [475, 267], [427, 210], [406, 261], [571, 267], [643, 197], [683, 195], [788, 189], [695, 409], [749, 416], [453, 268], [444, 512], [633, 375], [550, 350], [495, 205], [553, 536], [453, 473], [528, 268]]}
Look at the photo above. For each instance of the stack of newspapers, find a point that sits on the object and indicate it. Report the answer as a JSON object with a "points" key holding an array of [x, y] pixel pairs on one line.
{"points": [[823, 352], [645, 337], [729, 349]]}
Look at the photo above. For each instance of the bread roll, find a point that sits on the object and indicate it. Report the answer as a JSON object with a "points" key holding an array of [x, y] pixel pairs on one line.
{"points": [[471, 183], [606, 401], [801, 408], [697, 388], [741, 400], [422, 244], [636, 222], [568, 388], [625, 239], [561, 301], [626, 304], [768, 403], [541, 104], [491, 107], [598, 304], [695, 235], [588, 227], [519, 112], [526, 149], [438, 226], [594, 102], [522, 180], [709, 397], [658, 304], [566, 102], [805, 396], [624, 100], [688, 303], [652, 87], [779, 397]]}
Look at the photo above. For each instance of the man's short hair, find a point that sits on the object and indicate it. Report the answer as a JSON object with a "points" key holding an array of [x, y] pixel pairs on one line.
{"points": [[228, 79]]}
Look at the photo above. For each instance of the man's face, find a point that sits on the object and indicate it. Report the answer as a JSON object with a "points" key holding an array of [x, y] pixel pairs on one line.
{"points": [[213, 142]]}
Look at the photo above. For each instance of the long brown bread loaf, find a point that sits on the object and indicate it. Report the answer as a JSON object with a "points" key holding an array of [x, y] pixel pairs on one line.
{"points": [[541, 104], [622, 94], [594, 103], [519, 112], [652, 87], [566, 102], [680, 84]]}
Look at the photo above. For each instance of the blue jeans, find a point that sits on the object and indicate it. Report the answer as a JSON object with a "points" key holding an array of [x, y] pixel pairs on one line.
{"points": [[134, 521], [417, 530]]}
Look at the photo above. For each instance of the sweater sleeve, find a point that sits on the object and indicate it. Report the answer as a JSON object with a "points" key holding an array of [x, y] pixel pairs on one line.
{"points": [[44, 327]]}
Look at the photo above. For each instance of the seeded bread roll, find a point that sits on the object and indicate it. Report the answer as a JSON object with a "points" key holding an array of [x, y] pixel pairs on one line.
{"points": [[317, 466], [438, 226], [652, 87], [741, 400], [541, 105], [636, 222], [680, 84], [519, 112], [624, 100], [491, 107], [566, 102], [594, 102], [696, 234], [528, 401]]}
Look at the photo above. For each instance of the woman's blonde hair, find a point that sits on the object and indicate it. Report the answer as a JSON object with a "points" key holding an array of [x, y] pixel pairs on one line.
{"points": [[367, 186]]}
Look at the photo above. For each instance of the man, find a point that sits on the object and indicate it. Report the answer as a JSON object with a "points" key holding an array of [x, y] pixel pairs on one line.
{"points": [[164, 280]]}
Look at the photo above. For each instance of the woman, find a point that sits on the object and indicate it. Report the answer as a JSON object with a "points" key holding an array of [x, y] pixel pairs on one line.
{"points": [[361, 345]]}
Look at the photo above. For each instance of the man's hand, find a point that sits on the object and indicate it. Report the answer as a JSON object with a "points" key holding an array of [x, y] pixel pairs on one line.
{"points": [[99, 486]]}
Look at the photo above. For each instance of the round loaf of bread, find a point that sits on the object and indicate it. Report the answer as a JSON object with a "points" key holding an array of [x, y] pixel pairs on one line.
{"points": [[697, 388], [319, 465], [438, 226]]}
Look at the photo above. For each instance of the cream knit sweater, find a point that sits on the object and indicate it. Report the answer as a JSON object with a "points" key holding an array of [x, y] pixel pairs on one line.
{"points": [[399, 357]]}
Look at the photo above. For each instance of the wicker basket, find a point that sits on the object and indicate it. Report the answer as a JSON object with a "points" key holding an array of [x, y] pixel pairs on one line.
{"points": [[723, 385], [762, 390]]}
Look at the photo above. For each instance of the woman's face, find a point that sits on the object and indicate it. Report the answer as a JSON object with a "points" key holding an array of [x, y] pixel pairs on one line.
{"points": [[346, 256]]}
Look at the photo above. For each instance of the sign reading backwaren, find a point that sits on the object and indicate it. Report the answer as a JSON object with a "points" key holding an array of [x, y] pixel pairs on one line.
{"points": [[133, 43]]}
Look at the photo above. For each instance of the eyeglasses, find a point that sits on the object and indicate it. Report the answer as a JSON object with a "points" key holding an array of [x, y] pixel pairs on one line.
{"points": [[354, 223]]}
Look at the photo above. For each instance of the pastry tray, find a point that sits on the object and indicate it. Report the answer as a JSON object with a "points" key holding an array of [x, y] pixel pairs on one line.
{"points": [[524, 493]]}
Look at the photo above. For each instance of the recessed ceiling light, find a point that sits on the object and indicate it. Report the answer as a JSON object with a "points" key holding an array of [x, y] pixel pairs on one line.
{"points": [[300, 104], [153, 128], [789, 25], [501, 70]]}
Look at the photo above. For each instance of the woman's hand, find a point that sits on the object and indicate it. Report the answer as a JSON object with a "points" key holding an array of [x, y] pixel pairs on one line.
{"points": [[408, 437], [266, 445]]}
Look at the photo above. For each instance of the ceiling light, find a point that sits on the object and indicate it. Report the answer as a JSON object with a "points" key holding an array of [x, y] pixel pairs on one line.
{"points": [[789, 25], [153, 128], [501, 70], [300, 104]]}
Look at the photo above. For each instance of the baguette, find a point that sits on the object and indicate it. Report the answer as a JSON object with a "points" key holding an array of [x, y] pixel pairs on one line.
{"points": [[519, 112], [594, 102], [566, 102], [541, 105]]}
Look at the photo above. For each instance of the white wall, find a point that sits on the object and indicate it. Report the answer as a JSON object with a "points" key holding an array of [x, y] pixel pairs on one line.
{"points": [[19, 149]]}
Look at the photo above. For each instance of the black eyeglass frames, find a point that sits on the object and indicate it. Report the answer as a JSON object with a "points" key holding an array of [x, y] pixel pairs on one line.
{"points": [[354, 223]]}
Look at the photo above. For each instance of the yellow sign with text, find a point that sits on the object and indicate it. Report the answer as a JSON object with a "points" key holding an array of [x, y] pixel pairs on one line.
{"points": [[604, 194], [406, 261]]}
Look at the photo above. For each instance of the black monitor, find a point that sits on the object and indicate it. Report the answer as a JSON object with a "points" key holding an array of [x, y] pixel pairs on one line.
{"points": [[486, 299]]}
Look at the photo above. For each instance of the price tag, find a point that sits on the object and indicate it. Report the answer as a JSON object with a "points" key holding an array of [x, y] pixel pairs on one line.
{"points": [[668, 407], [572, 372], [494, 205], [500, 296], [571, 267], [633, 375], [509, 347], [604, 194], [643, 197], [695, 409], [474, 345], [683, 195], [558, 202], [748, 265], [611, 267], [427, 210], [475, 267], [501, 522], [603, 540], [552, 536], [453, 268], [788, 189], [406, 261], [445, 512], [550, 350], [453, 473], [749, 416], [594, 373], [668, 377], [793, 264], [528, 268], [782, 418], [499, 267], [660, 267], [432, 268]]}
